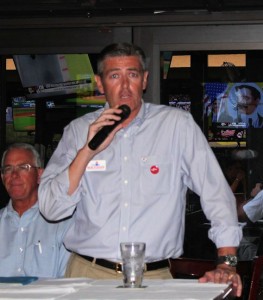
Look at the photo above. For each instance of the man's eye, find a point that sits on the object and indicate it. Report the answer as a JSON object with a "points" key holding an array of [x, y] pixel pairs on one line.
{"points": [[8, 169], [114, 76], [133, 75], [23, 167]]}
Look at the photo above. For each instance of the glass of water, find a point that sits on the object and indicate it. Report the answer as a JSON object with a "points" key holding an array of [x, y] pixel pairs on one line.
{"points": [[133, 254]]}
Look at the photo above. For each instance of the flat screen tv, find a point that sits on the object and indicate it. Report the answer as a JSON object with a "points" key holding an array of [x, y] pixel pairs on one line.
{"points": [[70, 108], [57, 74], [230, 109], [24, 114]]}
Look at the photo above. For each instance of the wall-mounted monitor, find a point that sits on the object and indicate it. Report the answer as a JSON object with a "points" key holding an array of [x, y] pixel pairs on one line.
{"points": [[59, 111], [230, 109], [57, 74], [24, 114]]}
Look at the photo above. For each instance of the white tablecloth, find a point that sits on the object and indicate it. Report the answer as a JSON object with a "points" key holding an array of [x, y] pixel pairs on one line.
{"points": [[89, 289]]}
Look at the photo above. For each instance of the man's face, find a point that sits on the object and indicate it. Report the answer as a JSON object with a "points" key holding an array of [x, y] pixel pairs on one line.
{"points": [[246, 102], [21, 185], [123, 82]]}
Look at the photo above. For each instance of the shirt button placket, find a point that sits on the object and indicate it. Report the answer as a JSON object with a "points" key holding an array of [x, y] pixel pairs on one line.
{"points": [[125, 189], [21, 245]]}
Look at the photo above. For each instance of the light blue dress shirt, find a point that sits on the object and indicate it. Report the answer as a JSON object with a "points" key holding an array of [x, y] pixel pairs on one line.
{"points": [[254, 208], [30, 246], [135, 189]]}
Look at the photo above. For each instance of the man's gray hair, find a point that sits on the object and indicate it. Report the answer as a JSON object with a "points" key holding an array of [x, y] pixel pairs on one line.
{"points": [[120, 49], [25, 146]]}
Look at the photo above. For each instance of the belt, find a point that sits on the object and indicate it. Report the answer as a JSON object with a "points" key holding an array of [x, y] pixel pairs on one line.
{"points": [[118, 266]]}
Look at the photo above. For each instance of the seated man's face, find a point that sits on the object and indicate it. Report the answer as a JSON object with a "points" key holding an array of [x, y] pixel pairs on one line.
{"points": [[21, 185], [246, 103], [257, 188]]}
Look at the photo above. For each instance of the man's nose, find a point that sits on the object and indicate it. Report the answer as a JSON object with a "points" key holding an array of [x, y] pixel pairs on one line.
{"points": [[15, 171], [125, 81]]}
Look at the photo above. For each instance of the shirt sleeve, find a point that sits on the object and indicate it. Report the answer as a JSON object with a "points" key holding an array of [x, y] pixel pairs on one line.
{"points": [[254, 208], [64, 254], [205, 177], [54, 202]]}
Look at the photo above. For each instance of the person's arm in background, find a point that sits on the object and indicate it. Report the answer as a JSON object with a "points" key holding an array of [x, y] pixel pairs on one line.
{"points": [[252, 210], [240, 177], [242, 216]]}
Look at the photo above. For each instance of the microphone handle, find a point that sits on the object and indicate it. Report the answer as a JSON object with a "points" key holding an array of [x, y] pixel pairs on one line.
{"points": [[102, 134]]}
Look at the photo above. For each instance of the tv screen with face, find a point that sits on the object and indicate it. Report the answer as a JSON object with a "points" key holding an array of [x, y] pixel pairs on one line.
{"points": [[239, 103], [230, 109]]}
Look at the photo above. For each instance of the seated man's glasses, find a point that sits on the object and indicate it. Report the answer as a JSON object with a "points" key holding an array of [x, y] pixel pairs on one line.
{"points": [[23, 168]]}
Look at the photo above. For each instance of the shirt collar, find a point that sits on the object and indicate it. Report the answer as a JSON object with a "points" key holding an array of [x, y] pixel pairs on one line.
{"points": [[140, 116], [10, 210]]}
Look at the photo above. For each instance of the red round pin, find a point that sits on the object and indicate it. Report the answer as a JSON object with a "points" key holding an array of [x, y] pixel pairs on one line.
{"points": [[154, 170]]}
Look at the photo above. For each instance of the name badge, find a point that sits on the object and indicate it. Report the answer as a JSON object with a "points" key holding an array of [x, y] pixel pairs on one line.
{"points": [[96, 165]]}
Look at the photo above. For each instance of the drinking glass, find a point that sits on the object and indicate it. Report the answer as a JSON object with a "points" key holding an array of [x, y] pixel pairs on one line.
{"points": [[133, 254]]}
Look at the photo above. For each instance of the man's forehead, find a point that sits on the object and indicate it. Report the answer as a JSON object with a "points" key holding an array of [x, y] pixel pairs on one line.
{"points": [[120, 60], [18, 153], [122, 66]]}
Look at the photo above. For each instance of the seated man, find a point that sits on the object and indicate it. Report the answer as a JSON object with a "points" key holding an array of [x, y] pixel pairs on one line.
{"points": [[30, 246], [252, 210]]}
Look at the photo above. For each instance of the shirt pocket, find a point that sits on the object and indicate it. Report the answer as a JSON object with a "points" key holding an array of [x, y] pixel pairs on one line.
{"points": [[41, 260], [155, 175]]}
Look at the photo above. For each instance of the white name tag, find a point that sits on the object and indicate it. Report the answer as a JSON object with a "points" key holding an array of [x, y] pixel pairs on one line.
{"points": [[96, 165]]}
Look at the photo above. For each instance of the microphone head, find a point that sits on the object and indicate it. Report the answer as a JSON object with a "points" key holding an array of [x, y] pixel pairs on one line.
{"points": [[125, 111], [102, 134]]}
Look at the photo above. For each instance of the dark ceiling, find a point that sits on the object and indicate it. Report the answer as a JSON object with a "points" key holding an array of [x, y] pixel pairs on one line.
{"points": [[104, 8]]}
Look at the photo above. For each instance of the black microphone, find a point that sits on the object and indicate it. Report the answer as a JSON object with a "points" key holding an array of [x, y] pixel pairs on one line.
{"points": [[101, 135]]}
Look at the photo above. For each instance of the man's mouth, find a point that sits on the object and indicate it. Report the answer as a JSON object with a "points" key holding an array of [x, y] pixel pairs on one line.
{"points": [[125, 96]]}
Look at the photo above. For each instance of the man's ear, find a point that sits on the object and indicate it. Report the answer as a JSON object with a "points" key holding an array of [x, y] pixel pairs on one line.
{"points": [[145, 79], [40, 172], [98, 80]]}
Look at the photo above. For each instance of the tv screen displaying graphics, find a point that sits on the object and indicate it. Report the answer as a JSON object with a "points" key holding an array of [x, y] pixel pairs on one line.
{"points": [[57, 74], [240, 104], [87, 104], [24, 114], [181, 101], [230, 109], [60, 112]]}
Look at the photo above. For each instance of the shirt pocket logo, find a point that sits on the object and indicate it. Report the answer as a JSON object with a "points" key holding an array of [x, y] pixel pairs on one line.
{"points": [[155, 175]]}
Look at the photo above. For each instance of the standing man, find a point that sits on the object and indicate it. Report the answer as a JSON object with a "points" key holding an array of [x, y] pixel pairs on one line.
{"points": [[30, 246], [133, 186]]}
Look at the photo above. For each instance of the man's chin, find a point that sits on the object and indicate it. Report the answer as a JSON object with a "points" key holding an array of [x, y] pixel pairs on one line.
{"points": [[16, 196]]}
